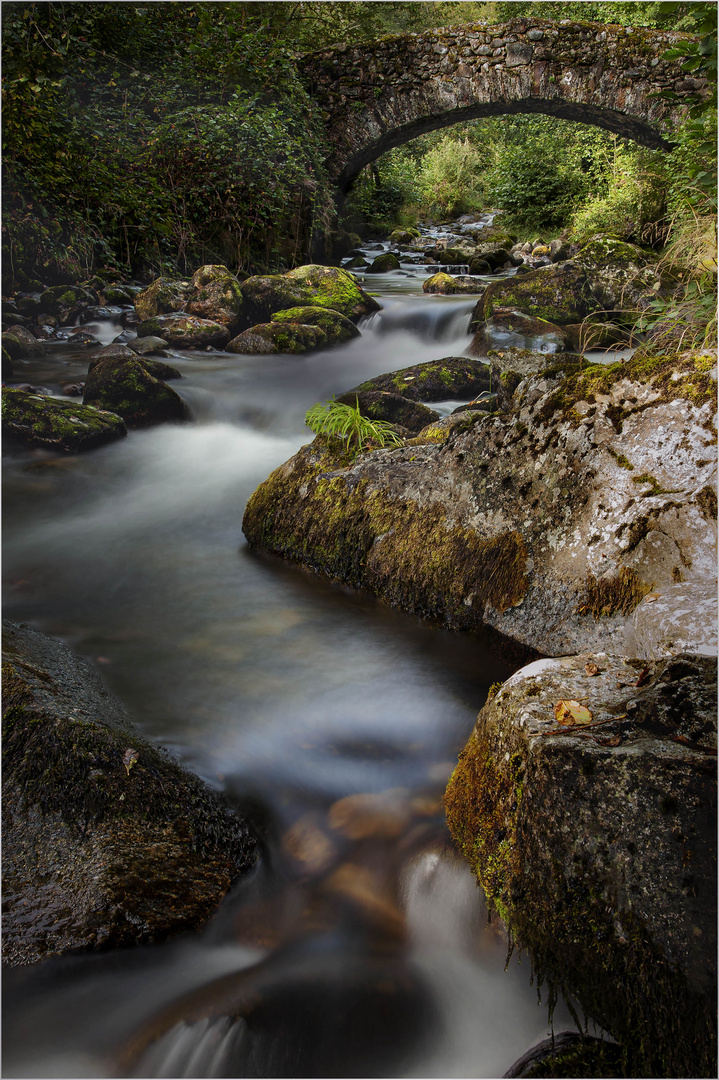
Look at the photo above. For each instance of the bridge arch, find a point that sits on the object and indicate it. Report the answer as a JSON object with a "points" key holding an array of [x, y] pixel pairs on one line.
{"points": [[378, 95]]}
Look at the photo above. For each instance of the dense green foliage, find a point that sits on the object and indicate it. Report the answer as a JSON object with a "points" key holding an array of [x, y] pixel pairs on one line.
{"points": [[347, 423]]}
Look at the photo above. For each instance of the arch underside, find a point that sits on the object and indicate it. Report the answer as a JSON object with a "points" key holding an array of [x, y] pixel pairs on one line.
{"points": [[628, 127]]}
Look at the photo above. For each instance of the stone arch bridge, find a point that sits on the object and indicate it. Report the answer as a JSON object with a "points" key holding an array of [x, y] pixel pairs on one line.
{"points": [[381, 94]]}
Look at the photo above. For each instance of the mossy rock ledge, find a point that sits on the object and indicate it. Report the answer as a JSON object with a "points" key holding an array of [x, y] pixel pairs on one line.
{"points": [[307, 286], [548, 522], [107, 842], [596, 845], [55, 424], [134, 389]]}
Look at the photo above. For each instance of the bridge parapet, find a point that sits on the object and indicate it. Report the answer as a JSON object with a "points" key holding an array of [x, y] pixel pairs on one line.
{"points": [[381, 94]]}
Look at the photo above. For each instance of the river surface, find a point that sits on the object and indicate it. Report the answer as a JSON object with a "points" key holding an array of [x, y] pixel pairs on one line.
{"points": [[361, 933]]}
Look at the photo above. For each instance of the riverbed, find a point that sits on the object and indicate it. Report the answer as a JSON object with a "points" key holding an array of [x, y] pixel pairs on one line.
{"points": [[360, 945]]}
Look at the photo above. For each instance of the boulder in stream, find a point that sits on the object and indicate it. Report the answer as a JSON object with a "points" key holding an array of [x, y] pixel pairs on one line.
{"points": [[507, 329], [107, 842], [217, 296], [20, 343], [394, 408], [337, 328], [382, 264], [435, 380], [134, 389], [312, 285], [292, 338], [450, 285], [559, 293], [185, 331], [162, 297], [55, 424], [585, 802]]}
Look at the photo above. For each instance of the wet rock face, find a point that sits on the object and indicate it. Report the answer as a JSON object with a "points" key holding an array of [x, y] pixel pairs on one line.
{"points": [[106, 841], [134, 389], [55, 424], [185, 331], [596, 842], [549, 521], [450, 377]]}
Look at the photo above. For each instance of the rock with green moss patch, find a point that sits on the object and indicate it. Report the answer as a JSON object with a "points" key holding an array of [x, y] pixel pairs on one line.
{"points": [[107, 842], [586, 489], [622, 276], [403, 236], [337, 328], [507, 329], [596, 844], [217, 296], [163, 296], [307, 286], [435, 380], [117, 294], [146, 346], [558, 293], [56, 424], [20, 343], [60, 299], [290, 338], [396, 409], [132, 389], [450, 285], [382, 264], [185, 331]]}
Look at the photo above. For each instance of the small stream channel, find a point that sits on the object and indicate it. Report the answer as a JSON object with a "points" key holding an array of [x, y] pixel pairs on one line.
{"points": [[360, 945]]}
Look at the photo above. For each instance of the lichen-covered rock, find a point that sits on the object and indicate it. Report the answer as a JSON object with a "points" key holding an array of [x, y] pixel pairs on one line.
{"points": [[337, 328], [217, 296], [162, 297], [56, 424], [435, 380], [682, 618], [279, 337], [185, 331], [506, 329], [20, 343], [132, 389], [396, 409], [107, 842], [313, 285], [586, 493], [450, 285], [384, 263], [622, 276], [558, 293], [596, 843]]}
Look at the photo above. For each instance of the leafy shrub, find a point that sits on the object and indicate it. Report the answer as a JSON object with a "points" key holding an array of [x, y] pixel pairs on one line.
{"points": [[450, 179], [633, 200], [347, 423]]}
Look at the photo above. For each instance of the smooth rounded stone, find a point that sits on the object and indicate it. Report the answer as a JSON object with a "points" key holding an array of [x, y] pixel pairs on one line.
{"points": [[83, 338], [559, 294], [338, 328], [404, 236], [358, 262], [515, 330], [130, 388], [163, 296], [56, 424], [680, 618], [143, 346], [288, 338], [435, 380], [383, 264], [107, 842], [596, 842], [217, 296], [114, 351], [20, 343], [395, 408], [479, 266], [447, 284], [185, 331]]}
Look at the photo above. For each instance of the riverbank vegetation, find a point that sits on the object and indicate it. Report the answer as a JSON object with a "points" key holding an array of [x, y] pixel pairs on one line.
{"points": [[154, 138]]}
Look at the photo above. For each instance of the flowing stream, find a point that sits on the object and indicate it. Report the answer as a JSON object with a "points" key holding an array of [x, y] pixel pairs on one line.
{"points": [[360, 944]]}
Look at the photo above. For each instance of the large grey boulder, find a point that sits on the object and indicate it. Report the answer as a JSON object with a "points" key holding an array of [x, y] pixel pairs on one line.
{"points": [[585, 802], [107, 841]]}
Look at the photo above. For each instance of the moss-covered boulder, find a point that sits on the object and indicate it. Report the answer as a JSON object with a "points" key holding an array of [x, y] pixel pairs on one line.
{"points": [[382, 264], [451, 285], [131, 388], [163, 296], [146, 346], [55, 424], [157, 368], [185, 331], [435, 380], [334, 288], [290, 338], [402, 236], [217, 296], [505, 329], [117, 294], [62, 298], [337, 328], [585, 802], [623, 277], [548, 521], [107, 842], [559, 293], [396, 409], [20, 343], [307, 286]]}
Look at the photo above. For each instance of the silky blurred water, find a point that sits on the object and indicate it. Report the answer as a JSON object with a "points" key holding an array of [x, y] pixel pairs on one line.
{"points": [[361, 934]]}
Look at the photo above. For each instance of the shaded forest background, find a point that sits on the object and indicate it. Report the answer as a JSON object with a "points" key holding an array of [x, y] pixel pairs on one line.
{"points": [[152, 138]]}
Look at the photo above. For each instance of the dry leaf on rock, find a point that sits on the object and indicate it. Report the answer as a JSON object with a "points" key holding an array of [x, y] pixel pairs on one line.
{"points": [[591, 669], [570, 712], [130, 757]]}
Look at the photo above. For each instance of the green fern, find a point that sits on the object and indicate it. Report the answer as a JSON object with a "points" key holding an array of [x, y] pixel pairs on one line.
{"points": [[346, 422]]}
